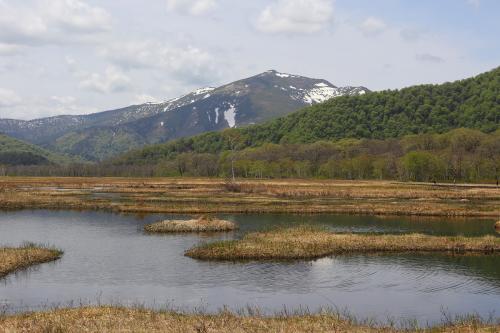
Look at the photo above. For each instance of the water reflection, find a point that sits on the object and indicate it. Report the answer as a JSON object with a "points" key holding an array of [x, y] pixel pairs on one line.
{"points": [[108, 257]]}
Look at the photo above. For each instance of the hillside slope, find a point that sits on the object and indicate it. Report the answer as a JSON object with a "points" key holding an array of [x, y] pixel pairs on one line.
{"points": [[249, 101], [14, 152], [470, 103]]}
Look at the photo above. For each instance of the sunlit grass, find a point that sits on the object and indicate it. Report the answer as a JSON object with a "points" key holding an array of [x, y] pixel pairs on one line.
{"points": [[120, 319], [16, 258], [308, 242], [201, 224], [210, 196]]}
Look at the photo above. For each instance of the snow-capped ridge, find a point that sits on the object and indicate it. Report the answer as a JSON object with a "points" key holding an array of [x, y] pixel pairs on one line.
{"points": [[252, 100], [202, 91]]}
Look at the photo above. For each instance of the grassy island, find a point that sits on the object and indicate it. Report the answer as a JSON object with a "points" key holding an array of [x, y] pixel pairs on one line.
{"points": [[309, 242], [117, 319], [14, 259], [201, 224]]}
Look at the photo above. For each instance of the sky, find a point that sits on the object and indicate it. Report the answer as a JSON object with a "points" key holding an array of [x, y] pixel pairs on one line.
{"points": [[84, 56]]}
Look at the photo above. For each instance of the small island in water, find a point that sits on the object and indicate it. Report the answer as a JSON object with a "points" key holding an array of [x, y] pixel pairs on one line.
{"points": [[13, 259], [201, 224]]}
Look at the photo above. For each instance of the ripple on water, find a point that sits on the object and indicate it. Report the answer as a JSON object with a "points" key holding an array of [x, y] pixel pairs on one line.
{"points": [[109, 255]]}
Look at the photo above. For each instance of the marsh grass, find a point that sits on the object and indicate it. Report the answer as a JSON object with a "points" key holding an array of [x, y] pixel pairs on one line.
{"points": [[201, 224], [211, 196], [140, 319], [306, 242], [13, 259]]}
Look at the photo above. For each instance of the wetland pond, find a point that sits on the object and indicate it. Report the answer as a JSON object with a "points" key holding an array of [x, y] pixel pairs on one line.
{"points": [[108, 259]]}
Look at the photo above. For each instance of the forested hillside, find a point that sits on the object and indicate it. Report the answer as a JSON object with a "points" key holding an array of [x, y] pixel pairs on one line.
{"points": [[447, 132], [459, 155], [14, 152], [103, 135], [471, 103]]}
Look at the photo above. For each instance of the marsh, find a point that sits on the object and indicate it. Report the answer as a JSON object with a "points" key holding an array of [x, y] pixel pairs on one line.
{"points": [[110, 259]]}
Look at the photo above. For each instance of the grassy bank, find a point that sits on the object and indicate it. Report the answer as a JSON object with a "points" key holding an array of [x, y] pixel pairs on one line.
{"points": [[307, 242], [206, 196], [14, 259], [201, 224], [116, 319]]}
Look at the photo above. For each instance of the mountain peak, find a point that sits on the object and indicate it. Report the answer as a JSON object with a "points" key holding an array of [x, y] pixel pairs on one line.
{"points": [[278, 74], [271, 94]]}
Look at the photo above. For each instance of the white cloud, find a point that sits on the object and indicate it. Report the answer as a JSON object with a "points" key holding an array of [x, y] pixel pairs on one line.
{"points": [[62, 105], [295, 16], [373, 26], [191, 7], [410, 35], [8, 98], [427, 57], [144, 98], [76, 16], [65, 100], [475, 3], [36, 107], [51, 22], [187, 64], [9, 49], [112, 80]]}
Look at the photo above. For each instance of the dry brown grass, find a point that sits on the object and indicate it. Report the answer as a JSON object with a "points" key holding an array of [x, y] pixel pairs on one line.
{"points": [[116, 319], [208, 196], [201, 224], [307, 242], [14, 259]]}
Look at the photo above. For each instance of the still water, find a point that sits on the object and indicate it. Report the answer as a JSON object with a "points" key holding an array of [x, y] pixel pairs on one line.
{"points": [[108, 259]]}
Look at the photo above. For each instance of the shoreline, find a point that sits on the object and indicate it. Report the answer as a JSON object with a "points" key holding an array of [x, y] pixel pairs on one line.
{"points": [[118, 318], [308, 243], [13, 259], [210, 196]]}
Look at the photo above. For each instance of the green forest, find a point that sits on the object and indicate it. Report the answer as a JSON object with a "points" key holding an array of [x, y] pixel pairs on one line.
{"points": [[447, 132], [18, 153], [471, 103], [459, 155]]}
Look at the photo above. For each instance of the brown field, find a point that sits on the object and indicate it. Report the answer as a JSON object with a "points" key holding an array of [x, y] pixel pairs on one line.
{"points": [[200, 195], [116, 319], [14, 259], [201, 224], [308, 242]]}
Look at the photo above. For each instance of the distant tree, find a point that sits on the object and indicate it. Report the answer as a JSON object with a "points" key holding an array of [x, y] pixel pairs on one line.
{"points": [[234, 140]]}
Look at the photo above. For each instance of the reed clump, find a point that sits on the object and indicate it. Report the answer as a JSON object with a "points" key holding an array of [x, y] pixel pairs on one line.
{"points": [[308, 243], [200, 224], [120, 319], [16, 258]]}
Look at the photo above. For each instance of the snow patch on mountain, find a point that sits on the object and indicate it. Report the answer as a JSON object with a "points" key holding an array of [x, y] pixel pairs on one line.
{"points": [[321, 94], [282, 75], [230, 115], [216, 115], [202, 91]]}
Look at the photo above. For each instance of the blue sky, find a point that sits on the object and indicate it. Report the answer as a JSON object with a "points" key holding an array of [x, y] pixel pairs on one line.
{"points": [[82, 56]]}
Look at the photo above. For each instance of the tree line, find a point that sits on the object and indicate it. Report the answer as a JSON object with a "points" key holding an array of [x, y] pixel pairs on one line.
{"points": [[471, 103], [463, 155]]}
